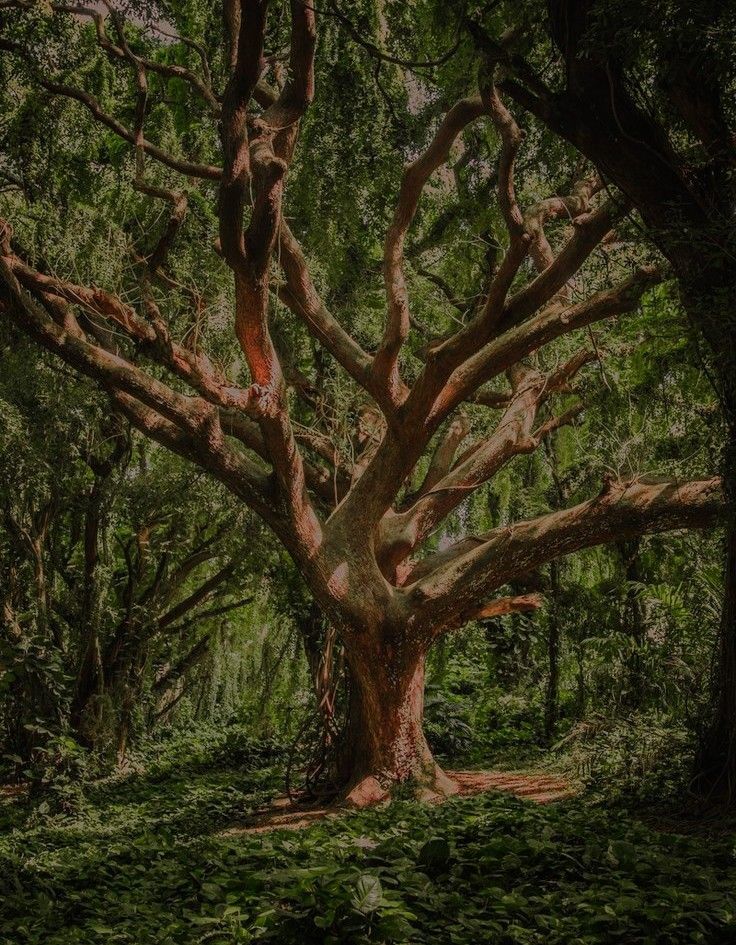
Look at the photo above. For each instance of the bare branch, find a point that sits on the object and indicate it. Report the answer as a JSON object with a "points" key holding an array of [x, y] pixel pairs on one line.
{"points": [[590, 229], [622, 510], [187, 424], [511, 137], [527, 336], [303, 299], [179, 204], [263, 161], [444, 454], [197, 597], [523, 603], [416, 175], [404, 531], [153, 337], [570, 207]]}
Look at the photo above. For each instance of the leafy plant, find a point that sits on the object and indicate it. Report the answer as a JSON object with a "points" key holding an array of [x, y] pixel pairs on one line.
{"points": [[157, 857]]}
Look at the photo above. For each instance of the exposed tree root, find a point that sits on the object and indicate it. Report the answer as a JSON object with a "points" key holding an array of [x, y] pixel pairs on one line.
{"points": [[285, 814]]}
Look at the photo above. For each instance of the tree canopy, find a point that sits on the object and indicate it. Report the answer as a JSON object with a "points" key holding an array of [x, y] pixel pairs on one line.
{"points": [[360, 287]]}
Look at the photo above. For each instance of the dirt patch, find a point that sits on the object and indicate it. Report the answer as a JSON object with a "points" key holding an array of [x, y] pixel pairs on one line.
{"points": [[540, 788], [11, 792], [285, 814]]}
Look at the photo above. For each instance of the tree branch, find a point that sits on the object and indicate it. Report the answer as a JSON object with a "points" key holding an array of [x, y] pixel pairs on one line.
{"points": [[527, 336], [416, 175], [513, 436], [169, 71], [622, 510], [523, 603], [263, 162], [188, 425]]}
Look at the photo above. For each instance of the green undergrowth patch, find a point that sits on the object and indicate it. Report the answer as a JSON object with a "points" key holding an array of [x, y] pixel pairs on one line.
{"points": [[149, 859]]}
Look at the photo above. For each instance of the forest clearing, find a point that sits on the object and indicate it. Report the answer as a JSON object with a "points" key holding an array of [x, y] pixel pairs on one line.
{"points": [[367, 472]]}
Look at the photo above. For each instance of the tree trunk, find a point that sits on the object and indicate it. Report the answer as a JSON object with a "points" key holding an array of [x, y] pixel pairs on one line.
{"points": [[582, 693], [82, 717], [633, 619], [551, 696], [385, 745], [122, 733], [715, 774], [715, 770]]}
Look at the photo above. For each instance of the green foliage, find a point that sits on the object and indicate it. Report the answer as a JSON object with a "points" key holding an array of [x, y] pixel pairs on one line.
{"points": [[446, 723], [642, 759], [151, 858], [188, 751]]}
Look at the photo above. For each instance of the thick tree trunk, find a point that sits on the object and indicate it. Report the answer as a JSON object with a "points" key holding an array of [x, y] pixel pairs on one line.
{"points": [[385, 745]]}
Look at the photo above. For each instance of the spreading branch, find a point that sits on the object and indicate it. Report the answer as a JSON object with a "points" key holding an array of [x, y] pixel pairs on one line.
{"points": [[622, 510], [351, 512]]}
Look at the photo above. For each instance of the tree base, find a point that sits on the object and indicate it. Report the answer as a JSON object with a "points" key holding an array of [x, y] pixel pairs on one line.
{"points": [[370, 790], [714, 781]]}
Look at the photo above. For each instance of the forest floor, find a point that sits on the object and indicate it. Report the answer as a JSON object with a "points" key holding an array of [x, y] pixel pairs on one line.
{"points": [[150, 857], [287, 813]]}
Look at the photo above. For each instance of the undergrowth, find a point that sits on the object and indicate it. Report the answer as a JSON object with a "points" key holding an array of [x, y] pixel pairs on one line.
{"points": [[151, 858]]}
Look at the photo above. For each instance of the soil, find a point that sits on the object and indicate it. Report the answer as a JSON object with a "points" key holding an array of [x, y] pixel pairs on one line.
{"points": [[286, 814]]}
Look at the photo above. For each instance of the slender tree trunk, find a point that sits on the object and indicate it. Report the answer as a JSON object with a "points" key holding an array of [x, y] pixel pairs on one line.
{"points": [[122, 733], [551, 698], [551, 703], [582, 694], [711, 300], [385, 744], [715, 771], [85, 712], [86, 689], [633, 618]]}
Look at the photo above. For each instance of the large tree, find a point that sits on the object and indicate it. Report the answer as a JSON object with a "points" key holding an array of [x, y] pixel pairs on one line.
{"points": [[364, 523]]}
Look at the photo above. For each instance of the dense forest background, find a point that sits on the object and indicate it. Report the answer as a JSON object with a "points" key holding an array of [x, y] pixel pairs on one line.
{"points": [[165, 666]]}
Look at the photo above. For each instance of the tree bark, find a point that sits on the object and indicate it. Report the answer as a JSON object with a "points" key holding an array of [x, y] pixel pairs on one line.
{"points": [[633, 619], [715, 768], [385, 746], [551, 695]]}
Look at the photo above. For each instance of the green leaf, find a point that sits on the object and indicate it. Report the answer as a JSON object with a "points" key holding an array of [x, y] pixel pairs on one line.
{"points": [[435, 854], [368, 894]]}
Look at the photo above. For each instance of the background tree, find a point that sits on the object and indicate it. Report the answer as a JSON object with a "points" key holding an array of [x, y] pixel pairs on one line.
{"points": [[645, 91], [114, 573]]}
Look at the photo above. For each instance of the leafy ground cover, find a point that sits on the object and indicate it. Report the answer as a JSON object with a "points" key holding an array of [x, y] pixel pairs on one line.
{"points": [[151, 858]]}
